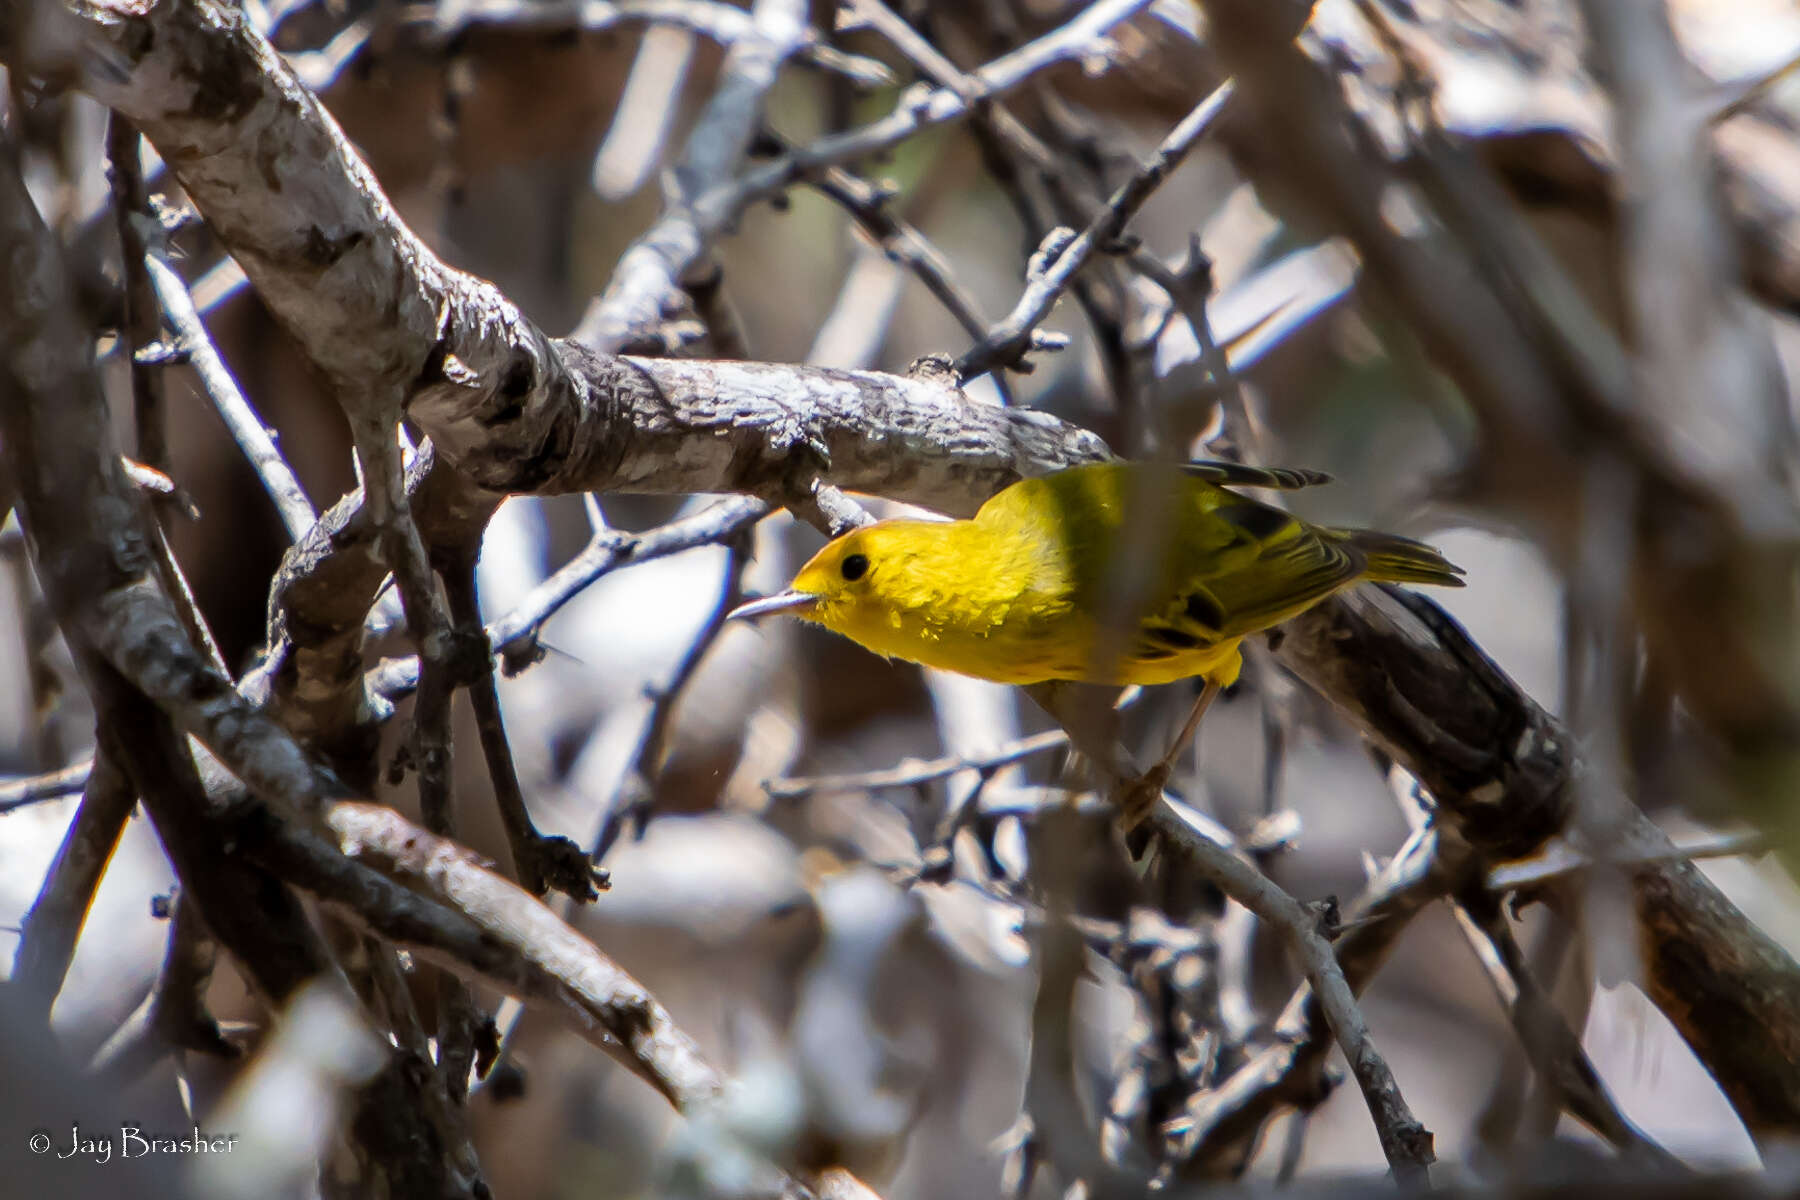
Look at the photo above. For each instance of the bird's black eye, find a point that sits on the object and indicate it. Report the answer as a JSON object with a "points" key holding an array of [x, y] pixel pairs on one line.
{"points": [[854, 566]]}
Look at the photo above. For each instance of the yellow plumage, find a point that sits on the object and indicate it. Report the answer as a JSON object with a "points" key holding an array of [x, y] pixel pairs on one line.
{"points": [[1021, 592]]}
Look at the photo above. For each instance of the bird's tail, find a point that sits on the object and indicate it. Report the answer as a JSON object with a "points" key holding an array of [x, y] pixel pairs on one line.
{"points": [[1394, 559]]}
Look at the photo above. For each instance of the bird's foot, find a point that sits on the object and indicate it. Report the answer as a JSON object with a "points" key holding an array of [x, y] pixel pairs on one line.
{"points": [[1140, 796]]}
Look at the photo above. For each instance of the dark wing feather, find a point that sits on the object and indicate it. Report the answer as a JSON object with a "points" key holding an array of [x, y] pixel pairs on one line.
{"points": [[1215, 470], [1255, 566]]}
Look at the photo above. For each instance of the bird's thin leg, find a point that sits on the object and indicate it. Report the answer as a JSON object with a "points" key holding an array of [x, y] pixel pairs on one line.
{"points": [[1208, 694], [1142, 795]]}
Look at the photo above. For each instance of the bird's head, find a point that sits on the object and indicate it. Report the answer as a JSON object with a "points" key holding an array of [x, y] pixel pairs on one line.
{"points": [[847, 585]]}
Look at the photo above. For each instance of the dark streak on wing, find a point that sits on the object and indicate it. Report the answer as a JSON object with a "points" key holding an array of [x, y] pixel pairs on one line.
{"points": [[1241, 475], [1258, 520], [1168, 635], [1203, 609]]}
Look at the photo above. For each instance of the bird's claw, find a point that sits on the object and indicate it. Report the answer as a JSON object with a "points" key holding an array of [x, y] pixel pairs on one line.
{"points": [[1140, 797]]}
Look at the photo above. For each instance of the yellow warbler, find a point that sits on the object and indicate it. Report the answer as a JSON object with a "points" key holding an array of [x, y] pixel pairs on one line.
{"points": [[1021, 592]]}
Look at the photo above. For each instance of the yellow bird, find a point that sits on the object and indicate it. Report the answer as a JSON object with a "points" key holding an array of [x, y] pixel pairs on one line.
{"points": [[1024, 591]]}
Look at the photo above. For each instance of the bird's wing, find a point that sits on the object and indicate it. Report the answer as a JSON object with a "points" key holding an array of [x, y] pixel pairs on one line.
{"points": [[1246, 566]]}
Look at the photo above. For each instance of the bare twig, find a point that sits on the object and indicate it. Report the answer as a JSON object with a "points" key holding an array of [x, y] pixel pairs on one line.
{"points": [[246, 427], [173, 1017], [1553, 1047], [52, 785], [460, 1021], [1406, 1143], [868, 205], [910, 774], [633, 805], [131, 207], [541, 862], [1008, 341], [48, 934], [1223, 1123], [514, 635], [1561, 861]]}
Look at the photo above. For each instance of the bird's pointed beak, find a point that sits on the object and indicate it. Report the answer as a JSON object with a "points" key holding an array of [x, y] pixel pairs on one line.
{"points": [[795, 603]]}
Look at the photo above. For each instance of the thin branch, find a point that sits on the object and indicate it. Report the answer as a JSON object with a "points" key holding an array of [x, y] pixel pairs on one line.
{"points": [[1406, 1144], [51, 785], [1008, 341], [1563, 862], [173, 1017], [541, 862], [1554, 1049], [131, 207], [1224, 1123], [610, 550], [514, 635], [52, 926], [869, 206], [445, 658], [720, 23], [632, 806], [911, 773], [459, 1020], [246, 427]]}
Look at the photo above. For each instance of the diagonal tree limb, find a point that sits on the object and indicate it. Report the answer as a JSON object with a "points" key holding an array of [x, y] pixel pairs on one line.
{"points": [[541, 862], [262, 924], [1223, 1124], [173, 1017], [1552, 1046], [1407, 1145], [52, 926]]}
